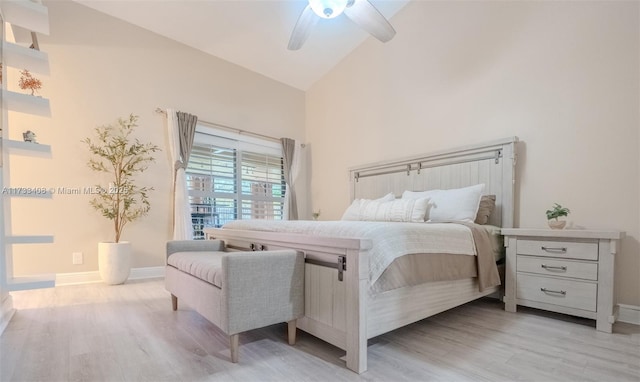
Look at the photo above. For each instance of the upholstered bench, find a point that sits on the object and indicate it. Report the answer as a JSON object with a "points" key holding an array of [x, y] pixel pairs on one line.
{"points": [[236, 291]]}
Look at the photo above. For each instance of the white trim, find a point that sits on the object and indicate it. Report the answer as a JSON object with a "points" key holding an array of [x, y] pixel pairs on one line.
{"points": [[146, 273], [218, 137], [629, 314], [6, 312], [78, 278]]}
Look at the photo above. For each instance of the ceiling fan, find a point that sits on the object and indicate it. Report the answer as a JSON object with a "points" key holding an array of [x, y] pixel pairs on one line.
{"points": [[361, 12]]}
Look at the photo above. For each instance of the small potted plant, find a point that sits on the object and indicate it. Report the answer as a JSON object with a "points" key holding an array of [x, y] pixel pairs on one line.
{"points": [[29, 82], [116, 153], [553, 215]]}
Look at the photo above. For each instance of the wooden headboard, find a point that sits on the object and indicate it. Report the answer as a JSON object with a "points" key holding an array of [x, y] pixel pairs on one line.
{"points": [[491, 163]]}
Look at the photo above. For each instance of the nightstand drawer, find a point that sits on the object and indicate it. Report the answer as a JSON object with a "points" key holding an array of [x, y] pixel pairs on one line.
{"points": [[563, 249], [557, 267], [569, 293]]}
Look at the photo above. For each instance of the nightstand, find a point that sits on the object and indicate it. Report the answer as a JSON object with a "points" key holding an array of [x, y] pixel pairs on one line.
{"points": [[565, 271]]}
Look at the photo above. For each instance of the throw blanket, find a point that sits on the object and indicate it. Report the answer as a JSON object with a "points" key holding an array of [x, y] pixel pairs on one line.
{"points": [[392, 240], [488, 275]]}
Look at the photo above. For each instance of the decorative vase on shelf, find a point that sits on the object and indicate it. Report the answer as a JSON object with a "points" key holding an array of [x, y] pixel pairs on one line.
{"points": [[114, 261], [557, 224]]}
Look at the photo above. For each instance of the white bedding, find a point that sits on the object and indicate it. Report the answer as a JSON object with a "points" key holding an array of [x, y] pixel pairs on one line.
{"points": [[390, 240]]}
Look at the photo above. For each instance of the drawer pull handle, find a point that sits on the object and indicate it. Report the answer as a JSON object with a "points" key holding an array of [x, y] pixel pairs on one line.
{"points": [[555, 249], [545, 290], [554, 268]]}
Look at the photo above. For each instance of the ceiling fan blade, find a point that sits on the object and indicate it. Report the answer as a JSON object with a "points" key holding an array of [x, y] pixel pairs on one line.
{"points": [[367, 17], [302, 30]]}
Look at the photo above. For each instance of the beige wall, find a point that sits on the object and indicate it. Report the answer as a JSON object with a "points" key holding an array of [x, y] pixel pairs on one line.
{"points": [[101, 69], [563, 76]]}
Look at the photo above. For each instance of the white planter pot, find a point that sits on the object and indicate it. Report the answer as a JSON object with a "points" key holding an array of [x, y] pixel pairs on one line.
{"points": [[557, 224], [114, 262]]}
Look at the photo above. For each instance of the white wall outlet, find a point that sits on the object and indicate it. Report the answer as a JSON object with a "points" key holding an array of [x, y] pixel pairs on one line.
{"points": [[78, 259]]}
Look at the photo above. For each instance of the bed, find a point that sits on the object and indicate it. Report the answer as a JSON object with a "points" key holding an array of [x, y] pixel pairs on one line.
{"points": [[345, 302]]}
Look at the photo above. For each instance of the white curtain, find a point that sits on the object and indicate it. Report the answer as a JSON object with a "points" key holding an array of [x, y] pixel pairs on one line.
{"points": [[182, 229], [296, 163]]}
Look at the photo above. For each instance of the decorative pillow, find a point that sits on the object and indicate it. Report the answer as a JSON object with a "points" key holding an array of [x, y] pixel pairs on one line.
{"points": [[399, 210], [416, 194], [458, 204], [353, 211], [487, 205]]}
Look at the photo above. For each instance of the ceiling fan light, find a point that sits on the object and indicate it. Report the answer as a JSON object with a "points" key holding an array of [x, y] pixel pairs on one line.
{"points": [[328, 9]]}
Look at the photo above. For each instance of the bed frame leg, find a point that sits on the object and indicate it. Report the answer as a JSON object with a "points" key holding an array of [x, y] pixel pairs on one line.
{"points": [[357, 354], [234, 342], [174, 302], [357, 280], [292, 332]]}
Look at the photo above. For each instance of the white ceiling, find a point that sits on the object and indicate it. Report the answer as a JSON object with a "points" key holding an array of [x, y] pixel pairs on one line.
{"points": [[251, 33]]}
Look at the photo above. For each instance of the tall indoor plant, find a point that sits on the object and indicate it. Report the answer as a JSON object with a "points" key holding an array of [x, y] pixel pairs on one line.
{"points": [[115, 152]]}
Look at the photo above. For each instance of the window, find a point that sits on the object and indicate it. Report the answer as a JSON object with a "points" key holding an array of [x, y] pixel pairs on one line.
{"points": [[231, 177]]}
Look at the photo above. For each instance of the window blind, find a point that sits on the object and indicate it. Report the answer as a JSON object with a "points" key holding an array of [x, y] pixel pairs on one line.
{"points": [[226, 181]]}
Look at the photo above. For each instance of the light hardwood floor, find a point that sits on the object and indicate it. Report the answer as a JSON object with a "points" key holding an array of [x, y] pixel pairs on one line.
{"points": [[129, 333]]}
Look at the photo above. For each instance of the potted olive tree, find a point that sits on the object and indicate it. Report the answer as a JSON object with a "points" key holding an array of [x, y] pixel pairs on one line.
{"points": [[553, 215], [114, 152]]}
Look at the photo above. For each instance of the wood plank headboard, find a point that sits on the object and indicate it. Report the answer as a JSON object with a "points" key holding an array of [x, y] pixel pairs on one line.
{"points": [[491, 163]]}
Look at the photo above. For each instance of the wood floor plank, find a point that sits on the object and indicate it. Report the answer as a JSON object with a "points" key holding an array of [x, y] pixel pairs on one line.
{"points": [[129, 332]]}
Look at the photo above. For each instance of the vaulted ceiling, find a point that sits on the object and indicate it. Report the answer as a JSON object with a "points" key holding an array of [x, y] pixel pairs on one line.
{"points": [[250, 33]]}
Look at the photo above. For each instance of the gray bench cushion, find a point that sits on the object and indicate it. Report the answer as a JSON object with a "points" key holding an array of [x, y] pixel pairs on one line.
{"points": [[205, 265]]}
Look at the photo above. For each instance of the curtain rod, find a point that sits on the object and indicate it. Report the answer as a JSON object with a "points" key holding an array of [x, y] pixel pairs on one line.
{"points": [[232, 129]]}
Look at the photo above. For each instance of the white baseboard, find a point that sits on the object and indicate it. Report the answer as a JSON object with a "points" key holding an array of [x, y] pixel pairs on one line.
{"points": [[6, 312], [146, 273], [77, 278], [629, 314], [94, 277]]}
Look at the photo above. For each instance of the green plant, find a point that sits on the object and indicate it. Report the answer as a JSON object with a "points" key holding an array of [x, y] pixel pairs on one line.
{"points": [[114, 152], [557, 211]]}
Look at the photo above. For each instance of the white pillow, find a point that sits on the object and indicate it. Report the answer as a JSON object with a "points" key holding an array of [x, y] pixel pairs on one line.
{"points": [[353, 211], [400, 210], [459, 204]]}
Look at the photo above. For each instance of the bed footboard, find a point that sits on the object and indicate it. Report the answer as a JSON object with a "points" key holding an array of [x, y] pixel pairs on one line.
{"points": [[340, 310], [336, 284]]}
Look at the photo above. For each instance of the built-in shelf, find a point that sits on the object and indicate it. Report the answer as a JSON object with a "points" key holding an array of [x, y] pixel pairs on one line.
{"points": [[21, 57], [28, 148], [29, 239], [26, 14], [26, 103], [22, 20], [31, 282], [32, 195]]}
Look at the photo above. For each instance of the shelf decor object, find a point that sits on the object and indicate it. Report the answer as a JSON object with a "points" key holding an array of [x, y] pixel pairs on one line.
{"points": [[29, 136], [29, 82]]}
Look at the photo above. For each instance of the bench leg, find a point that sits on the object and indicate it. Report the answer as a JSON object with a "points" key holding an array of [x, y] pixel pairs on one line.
{"points": [[174, 302], [234, 340], [292, 332]]}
